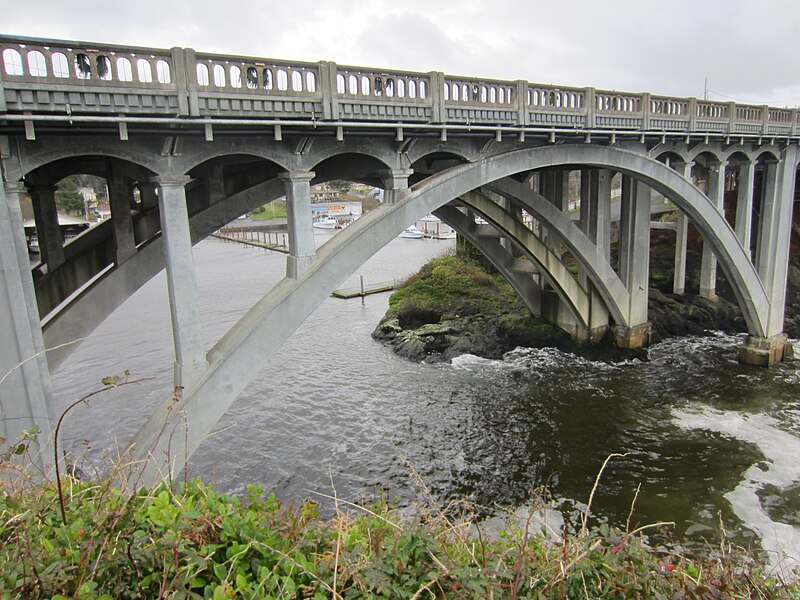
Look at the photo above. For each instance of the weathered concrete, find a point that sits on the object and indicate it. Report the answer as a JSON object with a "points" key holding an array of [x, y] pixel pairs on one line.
{"points": [[25, 394], [298, 211]]}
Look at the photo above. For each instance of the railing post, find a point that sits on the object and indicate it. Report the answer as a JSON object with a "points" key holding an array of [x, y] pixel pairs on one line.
{"points": [[764, 119], [731, 117], [646, 107], [190, 61], [591, 106], [692, 114], [179, 72], [522, 103], [330, 93], [435, 84]]}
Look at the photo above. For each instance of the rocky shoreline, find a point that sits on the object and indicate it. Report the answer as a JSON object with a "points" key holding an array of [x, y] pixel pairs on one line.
{"points": [[430, 319]]}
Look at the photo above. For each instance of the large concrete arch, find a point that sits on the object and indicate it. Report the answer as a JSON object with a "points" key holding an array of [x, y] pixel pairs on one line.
{"points": [[237, 356]]}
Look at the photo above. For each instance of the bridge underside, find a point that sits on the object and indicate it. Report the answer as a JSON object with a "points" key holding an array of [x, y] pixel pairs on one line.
{"points": [[167, 192]]}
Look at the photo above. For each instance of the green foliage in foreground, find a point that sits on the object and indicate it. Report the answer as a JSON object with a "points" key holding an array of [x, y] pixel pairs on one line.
{"points": [[198, 543], [271, 210]]}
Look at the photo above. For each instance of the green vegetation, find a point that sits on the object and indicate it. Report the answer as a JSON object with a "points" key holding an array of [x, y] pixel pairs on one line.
{"points": [[199, 543], [453, 286], [271, 210]]}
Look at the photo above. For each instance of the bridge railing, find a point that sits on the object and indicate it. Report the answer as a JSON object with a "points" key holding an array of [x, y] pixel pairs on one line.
{"points": [[55, 76]]}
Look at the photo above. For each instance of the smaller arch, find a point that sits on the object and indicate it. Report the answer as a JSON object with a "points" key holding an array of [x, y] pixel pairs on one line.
{"points": [[378, 85], [251, 76], [401, 88], [144, 70], [423, 90], [352, 84], [219, 75], [12, 61], [60, 65], [202, 74], [412, 89], [124, 69], [163, 73], [283, 80], [37, 65], [268, 79], [297, 81], [83, 66], [340, 83], [365, 85], [311, 81], [103, 65], [446, 92], [390, 87], [235, 74]]}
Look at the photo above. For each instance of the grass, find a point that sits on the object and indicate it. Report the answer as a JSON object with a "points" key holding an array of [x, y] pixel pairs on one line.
{"points": [[272, 210]]}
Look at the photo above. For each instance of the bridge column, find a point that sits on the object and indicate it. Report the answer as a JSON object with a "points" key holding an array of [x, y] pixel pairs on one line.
{"points": [[681, 239], [395, 184], [554, 186], [634, 261], [48, 231], [302, 250], [744, 204], [708, 265], [24, 376], [595, 221], [181, 281], [772, 258], [119, 198]]}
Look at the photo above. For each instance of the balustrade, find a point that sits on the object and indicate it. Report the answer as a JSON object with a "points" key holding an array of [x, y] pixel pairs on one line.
{"points": [[29, 65]]}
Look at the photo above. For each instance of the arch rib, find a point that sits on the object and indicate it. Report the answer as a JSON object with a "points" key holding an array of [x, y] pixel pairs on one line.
{"points": [[238, 355]]}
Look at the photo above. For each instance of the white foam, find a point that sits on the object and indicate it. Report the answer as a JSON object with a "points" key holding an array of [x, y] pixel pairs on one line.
{"points": [[782, 449]]}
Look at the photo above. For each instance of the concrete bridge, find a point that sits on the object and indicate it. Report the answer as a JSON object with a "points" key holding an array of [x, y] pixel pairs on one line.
{"points": [[188, 141]]}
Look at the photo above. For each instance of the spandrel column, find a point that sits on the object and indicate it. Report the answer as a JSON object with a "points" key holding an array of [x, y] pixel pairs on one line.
{"points": [[595, 222], [681, 239], [25, 388], [744, 204], [48, 230], [708, 265], [181, 281], [119, 197], [302, 250], [634, 261]]}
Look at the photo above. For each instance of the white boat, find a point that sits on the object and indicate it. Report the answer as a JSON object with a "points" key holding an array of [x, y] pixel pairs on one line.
{"points": [[411, 233], [325, 223]]}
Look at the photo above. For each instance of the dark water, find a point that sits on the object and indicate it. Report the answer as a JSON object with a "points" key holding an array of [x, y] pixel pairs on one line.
{"points": [[704, 436]]}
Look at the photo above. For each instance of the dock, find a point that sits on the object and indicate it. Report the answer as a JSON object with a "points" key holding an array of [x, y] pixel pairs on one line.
{"points": [[366, 290]]}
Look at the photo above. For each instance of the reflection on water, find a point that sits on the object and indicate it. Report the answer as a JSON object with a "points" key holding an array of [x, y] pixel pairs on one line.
{"points": [[334, 403]]}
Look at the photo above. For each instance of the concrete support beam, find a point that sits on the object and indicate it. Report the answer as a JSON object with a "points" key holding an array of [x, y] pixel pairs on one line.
{"points": [[708, 265], [120, 197], [395, 184], [48, 231], [595, 222], [181, 280], [24, 376], [681, 239], [744, 204], [765, 352], [775, 235], [634, 260], [302, 250]]}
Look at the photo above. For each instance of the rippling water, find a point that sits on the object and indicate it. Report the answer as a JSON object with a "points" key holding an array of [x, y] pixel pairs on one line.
{"points": [[703, 435]]}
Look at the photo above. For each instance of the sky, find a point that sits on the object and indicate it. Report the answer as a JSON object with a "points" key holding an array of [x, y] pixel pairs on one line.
{"points": [[747, 51]]}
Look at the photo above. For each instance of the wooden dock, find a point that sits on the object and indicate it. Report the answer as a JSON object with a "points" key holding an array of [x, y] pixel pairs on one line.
{"points": [[358, 292], [267, 244]]}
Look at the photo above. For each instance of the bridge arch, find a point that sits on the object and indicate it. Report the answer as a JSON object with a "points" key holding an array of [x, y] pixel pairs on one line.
{"points": [[241, 351]]}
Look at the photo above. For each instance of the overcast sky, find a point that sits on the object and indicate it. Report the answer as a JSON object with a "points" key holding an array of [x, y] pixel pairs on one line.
{"points": [[748, 49]]}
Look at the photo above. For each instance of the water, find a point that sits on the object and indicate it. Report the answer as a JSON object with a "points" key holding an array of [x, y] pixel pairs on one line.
{"points": [[710, 441]]}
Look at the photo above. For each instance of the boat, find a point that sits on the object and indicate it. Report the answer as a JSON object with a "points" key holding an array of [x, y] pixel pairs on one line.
{"points": [[412, 233], [325, 223]]}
